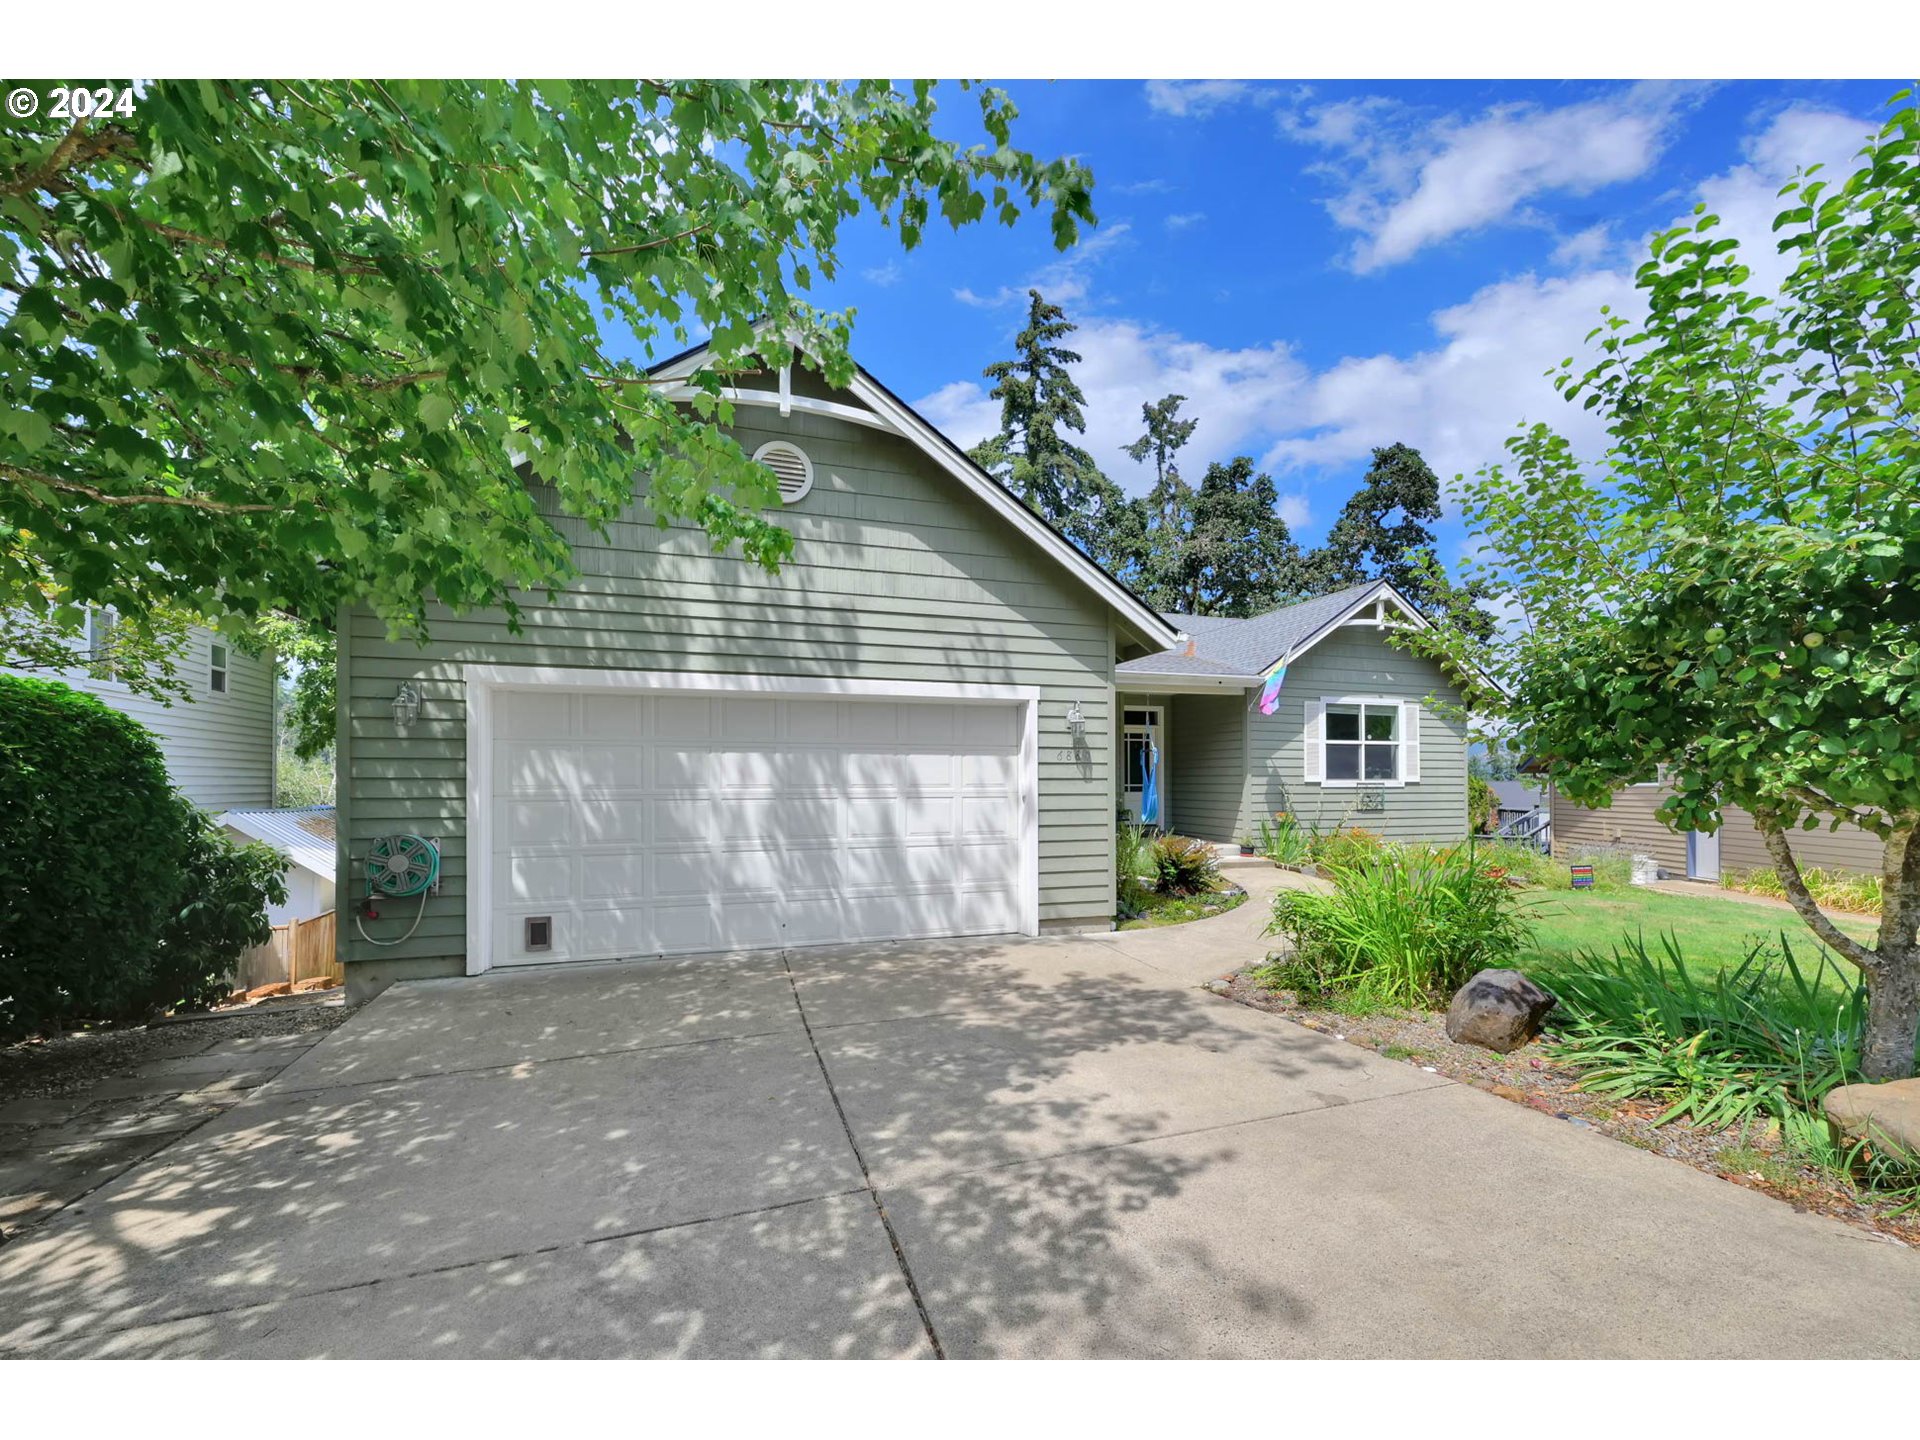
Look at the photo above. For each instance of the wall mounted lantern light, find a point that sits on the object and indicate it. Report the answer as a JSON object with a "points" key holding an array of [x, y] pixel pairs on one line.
{"points": [[1077, 721], [406, 705]]}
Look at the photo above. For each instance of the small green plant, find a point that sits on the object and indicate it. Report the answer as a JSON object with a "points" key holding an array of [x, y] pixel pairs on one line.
{"points": [[1404, 926], [1184, 867], [1284, 840], [223, 911], [1134, 870]]}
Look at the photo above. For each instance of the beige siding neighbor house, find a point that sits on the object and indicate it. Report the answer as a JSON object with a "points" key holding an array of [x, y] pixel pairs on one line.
{"points": [[917, 728], [1630, 822]]}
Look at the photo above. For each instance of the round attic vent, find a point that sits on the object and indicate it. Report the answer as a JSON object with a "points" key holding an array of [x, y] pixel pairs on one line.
{"points": [[790, 466]]}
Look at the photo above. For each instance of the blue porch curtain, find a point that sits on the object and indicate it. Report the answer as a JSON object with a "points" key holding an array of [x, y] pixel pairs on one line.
{"points": [[1150, 790]]}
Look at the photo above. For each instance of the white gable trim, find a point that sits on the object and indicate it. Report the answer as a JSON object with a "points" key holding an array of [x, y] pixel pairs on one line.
{"points": [[1378, 597], [886, 413]]}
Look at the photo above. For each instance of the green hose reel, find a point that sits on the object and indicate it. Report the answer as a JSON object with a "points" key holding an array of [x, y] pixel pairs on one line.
{"points": [[402, 865]]}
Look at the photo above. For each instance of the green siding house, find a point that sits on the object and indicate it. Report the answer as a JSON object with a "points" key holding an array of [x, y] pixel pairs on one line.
{"points": [[919, 727]]}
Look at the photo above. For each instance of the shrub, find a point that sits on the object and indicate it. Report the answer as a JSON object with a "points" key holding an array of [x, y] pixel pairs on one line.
{"points": [[222, 913], [92, 845], [1344, 847], [1183, 866], [1483, 805], [1403, 926]]}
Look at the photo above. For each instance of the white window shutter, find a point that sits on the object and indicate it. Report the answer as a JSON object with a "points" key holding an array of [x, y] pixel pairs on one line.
{"points": [[1314, 767], [1409, 741]]}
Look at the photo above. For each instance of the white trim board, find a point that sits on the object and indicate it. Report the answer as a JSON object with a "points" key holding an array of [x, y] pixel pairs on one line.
{"points": [[483, 681]]}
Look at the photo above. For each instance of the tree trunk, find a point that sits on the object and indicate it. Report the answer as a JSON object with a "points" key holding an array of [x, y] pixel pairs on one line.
{"points": [[1893, 988], [1892, 966], [1893, 1018]]}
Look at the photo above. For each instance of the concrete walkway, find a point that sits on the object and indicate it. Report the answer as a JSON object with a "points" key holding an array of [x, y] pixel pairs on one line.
{"points": [[1045, 1148]]}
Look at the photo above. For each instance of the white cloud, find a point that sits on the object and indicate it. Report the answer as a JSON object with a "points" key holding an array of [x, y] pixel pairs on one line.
{"points": [[1457, 400], [1200, 98], [883, 275], [1185, 220], [1063, 281], [1407, 185], [1589, 247], [1234, 392]]}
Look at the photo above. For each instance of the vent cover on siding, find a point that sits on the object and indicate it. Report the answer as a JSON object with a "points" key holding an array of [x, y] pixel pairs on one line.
{"points": [[790, 466]]}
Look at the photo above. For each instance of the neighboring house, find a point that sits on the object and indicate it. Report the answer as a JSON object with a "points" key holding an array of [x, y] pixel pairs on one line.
{"points": [[218, 740], [306, 838], [1630, 823], [1356, 738], [912, 730]]}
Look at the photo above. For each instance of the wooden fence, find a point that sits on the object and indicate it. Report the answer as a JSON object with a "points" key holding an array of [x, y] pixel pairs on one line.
{"points": [[299, 950]]}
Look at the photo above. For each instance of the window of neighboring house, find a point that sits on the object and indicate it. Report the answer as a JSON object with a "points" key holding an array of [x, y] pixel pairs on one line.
{"points": [[98, 642], [1363, 741], [217, 670]]}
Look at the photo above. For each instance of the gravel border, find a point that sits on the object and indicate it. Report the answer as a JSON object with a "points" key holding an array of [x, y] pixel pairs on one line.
{"points": [[74, 1063]]}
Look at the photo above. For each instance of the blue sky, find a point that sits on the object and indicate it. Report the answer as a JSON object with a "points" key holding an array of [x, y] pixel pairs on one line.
{"points": [[1327, 267]]}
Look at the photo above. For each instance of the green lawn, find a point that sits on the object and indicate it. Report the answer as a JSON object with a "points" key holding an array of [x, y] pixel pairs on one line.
{"points": [[1711, 932]]}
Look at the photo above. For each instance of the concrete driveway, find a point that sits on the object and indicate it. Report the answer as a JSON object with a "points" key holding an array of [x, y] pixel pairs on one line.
{"points": [[1031, 1149]]}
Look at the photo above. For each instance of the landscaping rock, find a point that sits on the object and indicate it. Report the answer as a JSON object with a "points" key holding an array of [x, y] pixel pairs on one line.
{"points": [[1884, 1113], [1497, 1010]]}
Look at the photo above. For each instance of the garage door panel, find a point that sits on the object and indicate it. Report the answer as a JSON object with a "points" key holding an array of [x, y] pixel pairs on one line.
{"points": [[535, 878], [873, 723], [613, 717], [528, 824], [811, 721], [663, 824], [902, 867], [612, 874], [999, 774], [750, 719], [927, 726], [613, 822], [996, 815], [989, 726], [529, 714], [683, 717], [930, 817], [986, 864], [750, 819]]}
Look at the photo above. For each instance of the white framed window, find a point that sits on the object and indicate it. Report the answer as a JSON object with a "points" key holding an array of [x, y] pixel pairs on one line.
{"points": [[1356, 740], [217, 669], [790, 466]]}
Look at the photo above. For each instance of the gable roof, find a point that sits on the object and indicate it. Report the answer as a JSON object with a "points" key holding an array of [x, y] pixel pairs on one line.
{"points": [[1240, 652], [881, 409], [1248, 648]]}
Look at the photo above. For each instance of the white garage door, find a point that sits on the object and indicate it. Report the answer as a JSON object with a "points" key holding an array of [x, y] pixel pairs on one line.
{"points": [[651, 824]]}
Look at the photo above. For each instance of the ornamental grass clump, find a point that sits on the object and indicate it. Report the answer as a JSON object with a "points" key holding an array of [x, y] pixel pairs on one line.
{"points": [[1762, 1042], [1403, 926]]}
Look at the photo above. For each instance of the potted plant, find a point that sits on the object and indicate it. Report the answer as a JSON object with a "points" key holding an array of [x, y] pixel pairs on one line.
{"points": [[1247, 845]]}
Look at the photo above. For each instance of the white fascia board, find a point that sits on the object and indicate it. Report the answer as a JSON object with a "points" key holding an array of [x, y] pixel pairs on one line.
{"points": [[1179, 682]]}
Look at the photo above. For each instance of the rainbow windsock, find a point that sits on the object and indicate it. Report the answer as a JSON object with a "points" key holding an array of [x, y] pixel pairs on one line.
{"points": [[1270, 692]]}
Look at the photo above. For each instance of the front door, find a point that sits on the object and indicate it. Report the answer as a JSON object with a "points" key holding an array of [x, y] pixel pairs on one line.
{"points": [[1143, 771]]}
